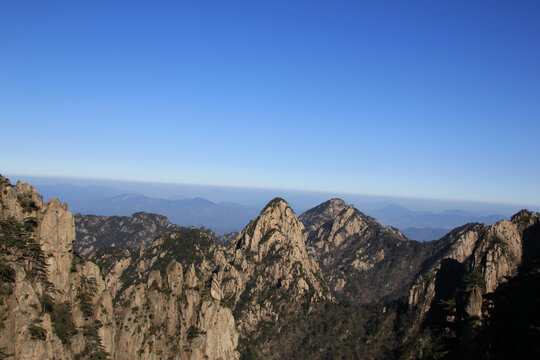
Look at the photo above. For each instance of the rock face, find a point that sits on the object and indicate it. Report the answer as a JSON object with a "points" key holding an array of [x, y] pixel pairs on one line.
{"points": [[340, 286], [215, 301], [55, 305], [452, 294], [187, 294], [139, 229], [361, 260], [169, 301], [316, 217], [272, 277], [446, 282]]}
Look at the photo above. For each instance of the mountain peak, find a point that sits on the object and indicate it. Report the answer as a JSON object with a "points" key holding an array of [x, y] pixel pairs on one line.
{"points": [[276, 217], [276, 203], [328, 210]]}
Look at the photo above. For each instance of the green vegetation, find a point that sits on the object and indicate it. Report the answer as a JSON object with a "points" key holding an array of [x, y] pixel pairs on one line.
{"points": [[330, 331], [62, 322], [225, 302], [16, 240], [107, 257], [27, 204], [193, 332], [514, 319], [7, 274], [268, 235], [93, 349], [4, 354], [61, 317], [37, 332], [7, 278], [85, 296], [472, 280]]}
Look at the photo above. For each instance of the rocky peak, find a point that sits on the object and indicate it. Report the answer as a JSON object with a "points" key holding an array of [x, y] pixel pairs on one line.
{"points": [[277, 221], [18, 201], [320, 214], [361, 260], [349, 222]]}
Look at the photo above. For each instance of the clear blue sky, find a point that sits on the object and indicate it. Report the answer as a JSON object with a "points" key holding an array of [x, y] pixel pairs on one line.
{"points": [[437, 99]]}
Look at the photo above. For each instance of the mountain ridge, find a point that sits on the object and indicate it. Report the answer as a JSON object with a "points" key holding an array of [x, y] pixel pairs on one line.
{"points": [[342, 286]]}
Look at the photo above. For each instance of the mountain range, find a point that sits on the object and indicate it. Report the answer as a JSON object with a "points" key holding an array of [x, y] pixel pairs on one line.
{"points": [[226, 217], [332, 283], [222, 218]]}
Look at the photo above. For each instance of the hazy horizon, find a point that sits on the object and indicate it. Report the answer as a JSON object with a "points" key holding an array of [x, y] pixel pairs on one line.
{"points": [[258, 197]]}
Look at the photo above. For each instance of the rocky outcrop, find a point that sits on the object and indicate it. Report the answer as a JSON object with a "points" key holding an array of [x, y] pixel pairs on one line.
{"points": [[270, 277], [170, 304], [140, 229], [360, 259], [55, 305], [314, 218], [445, 284], [472, 262], [263, 280]]}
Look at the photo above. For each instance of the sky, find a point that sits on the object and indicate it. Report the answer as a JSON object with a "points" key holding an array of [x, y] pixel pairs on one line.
{"points": [[431, 99]]}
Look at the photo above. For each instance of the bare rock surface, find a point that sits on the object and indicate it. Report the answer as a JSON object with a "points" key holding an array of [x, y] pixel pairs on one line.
{"points": [[139, 229]]}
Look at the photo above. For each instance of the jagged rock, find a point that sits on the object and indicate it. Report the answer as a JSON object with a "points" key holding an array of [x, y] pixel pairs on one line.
{"points": [[361, 260], [314, 218], [175, 277], [244, 298], [139, 229], [52, 293], [272, 275], [479, 258]]}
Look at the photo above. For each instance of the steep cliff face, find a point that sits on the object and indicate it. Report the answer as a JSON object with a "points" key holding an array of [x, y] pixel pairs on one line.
{"points": [[361, 260], [140, 229], [448, 283], [451, 295], [169, 301], [55, 305], [270, 276]]}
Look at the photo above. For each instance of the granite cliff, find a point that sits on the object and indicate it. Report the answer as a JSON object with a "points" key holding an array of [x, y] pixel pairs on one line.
{"points": [[332, 283], [55, 305], [140, 229]]}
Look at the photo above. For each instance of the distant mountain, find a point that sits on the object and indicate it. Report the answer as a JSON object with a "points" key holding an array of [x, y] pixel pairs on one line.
{"points": [[221, 218], [94, 197], [79, 198], [424, 233], [402, 218]]}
